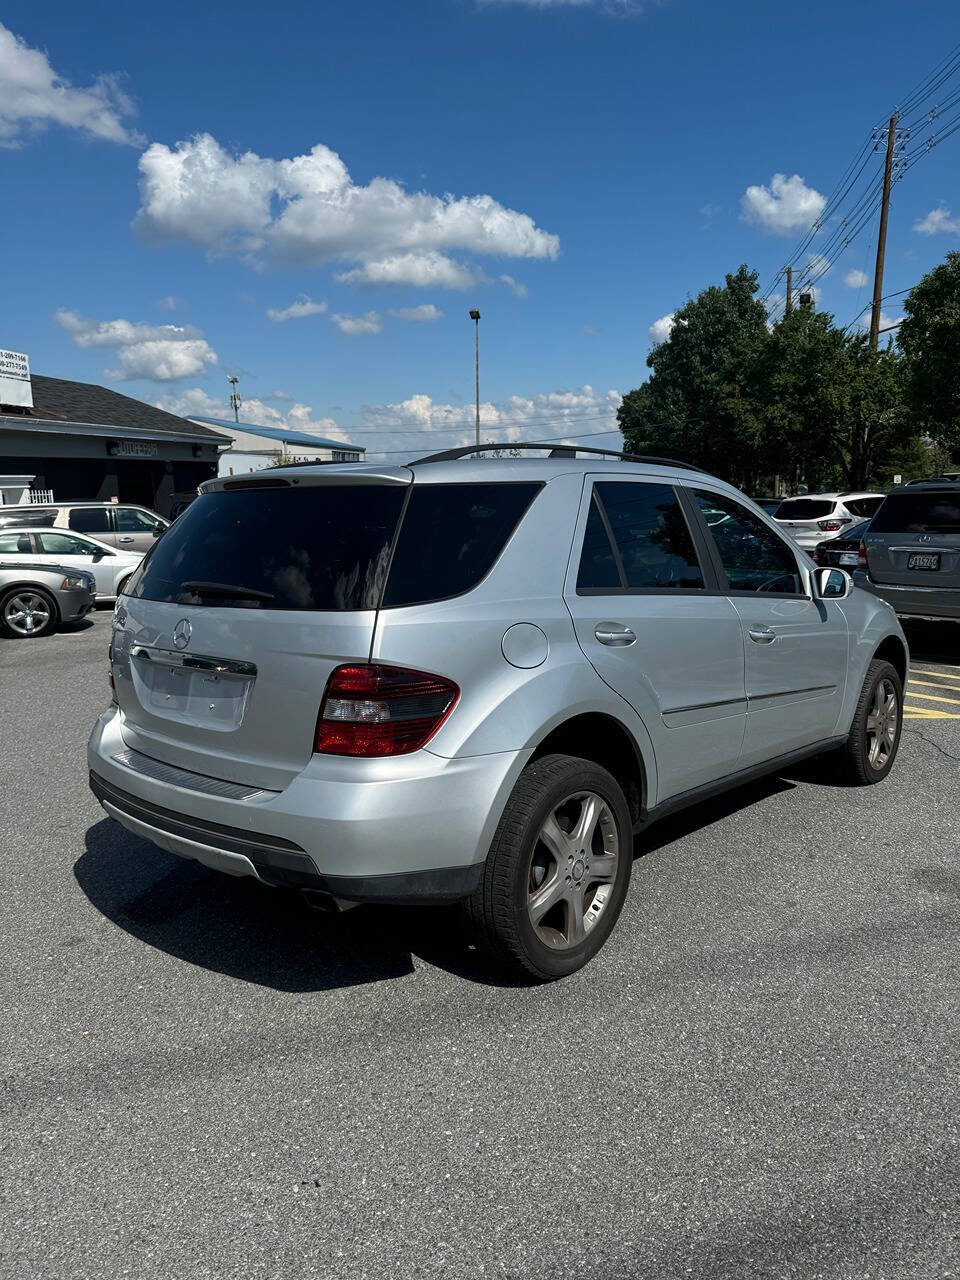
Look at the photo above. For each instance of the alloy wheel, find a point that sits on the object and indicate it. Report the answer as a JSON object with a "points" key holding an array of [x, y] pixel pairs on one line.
{"points": [[573, 868], [882, 721], [26, 613]]}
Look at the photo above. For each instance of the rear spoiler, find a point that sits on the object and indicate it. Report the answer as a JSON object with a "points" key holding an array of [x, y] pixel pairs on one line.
{"points": [[306, 474]]}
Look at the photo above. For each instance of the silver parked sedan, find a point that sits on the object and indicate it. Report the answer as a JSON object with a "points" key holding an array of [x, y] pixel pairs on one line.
{"points": [[35, 599], [476, 680]]}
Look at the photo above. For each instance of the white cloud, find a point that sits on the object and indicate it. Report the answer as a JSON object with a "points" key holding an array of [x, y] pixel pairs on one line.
{"points": [[425, 314], [308, 210], [587, 413], [160, 352], [788, 205], [886, 322], [516, 287], [660, 329], [197, 403], [855, 278], [421, 269], [33, 96], [937, 220], [170, 302], [297, 310], [358, 326]]}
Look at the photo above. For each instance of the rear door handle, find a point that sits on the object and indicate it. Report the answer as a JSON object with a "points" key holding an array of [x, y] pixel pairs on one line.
{"points": [[761, 634], [615, 634]]}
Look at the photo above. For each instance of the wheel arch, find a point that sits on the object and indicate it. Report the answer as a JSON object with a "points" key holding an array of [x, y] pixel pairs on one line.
{"points": [[893, 650], [31, 585], [600, 737]]}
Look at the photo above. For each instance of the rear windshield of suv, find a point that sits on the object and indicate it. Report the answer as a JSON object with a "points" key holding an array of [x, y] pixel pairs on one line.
{"points": [[328, 547], [919, 513], [804, 509]]}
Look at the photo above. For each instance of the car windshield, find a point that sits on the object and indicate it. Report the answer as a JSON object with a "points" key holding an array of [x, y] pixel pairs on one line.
{"points": [[805, 508], [919, 513]]}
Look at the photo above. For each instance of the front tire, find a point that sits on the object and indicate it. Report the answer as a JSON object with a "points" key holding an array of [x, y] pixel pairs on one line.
{"points": [[874, 739], [27, 612], [558, 869]]}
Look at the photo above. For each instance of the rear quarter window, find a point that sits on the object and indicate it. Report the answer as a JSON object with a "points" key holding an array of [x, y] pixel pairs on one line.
{"points": [[450, 537]]}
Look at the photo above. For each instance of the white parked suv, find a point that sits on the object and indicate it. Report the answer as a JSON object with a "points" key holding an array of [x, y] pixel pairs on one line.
{"points": [[818, 517]]}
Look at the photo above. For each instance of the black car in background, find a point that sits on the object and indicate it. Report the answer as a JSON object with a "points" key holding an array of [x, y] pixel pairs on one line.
{"points": [[911, 551], [841, 552]]}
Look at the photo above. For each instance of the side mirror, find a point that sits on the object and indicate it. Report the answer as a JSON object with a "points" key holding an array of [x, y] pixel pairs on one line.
{"points": [[833, 584], [159, 531], [99, 554]]}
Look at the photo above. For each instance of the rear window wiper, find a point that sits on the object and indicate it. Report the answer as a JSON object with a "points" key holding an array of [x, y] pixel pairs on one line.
{"points": [[228, 590]]}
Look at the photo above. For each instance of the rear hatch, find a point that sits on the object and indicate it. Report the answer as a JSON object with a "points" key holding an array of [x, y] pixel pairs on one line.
{"points": [[914, 539], [241, 611], [808, 520]]}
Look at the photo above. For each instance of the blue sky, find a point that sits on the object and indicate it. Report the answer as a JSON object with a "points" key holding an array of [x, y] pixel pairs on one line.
{"points": [[574, 168]]}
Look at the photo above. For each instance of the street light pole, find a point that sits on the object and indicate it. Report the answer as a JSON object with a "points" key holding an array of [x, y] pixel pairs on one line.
{"points": [[475, 317]]}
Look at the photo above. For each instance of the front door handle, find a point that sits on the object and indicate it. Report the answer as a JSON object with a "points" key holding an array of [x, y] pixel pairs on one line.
{"points": [[126, 539], [615, 634], [761, 634]]}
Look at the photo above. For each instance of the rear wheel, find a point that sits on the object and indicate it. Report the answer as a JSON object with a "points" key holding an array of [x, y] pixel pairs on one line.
{"points": [[874, 739], [557, 872], [26, 612]]}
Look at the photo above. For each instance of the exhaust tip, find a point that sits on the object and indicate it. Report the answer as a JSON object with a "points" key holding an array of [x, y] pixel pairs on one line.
{"points": [[321, 900]]}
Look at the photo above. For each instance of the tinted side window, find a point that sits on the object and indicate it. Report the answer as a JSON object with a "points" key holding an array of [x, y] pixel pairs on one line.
{"points": [[15, 544], [754, 558], [61, 544], [598, 569], [863, 506], [317, 547], [450, 537], [90, 519], [130, 520], [650, 531]]}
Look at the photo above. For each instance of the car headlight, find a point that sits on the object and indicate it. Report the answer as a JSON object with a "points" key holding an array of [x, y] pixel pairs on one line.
{"points": [[75, 582]]}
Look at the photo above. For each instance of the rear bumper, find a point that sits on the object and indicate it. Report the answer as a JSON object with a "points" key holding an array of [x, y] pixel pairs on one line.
{"points": [[940, 604], [419, 836]]}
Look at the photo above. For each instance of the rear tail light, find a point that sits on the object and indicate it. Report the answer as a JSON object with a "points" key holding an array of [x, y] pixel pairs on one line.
{"points": [[862, 556], [830, 526], [377, 710]]}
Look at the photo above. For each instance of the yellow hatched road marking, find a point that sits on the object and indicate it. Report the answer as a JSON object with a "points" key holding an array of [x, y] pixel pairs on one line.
{"points": [[932, 684], [932, 697]]}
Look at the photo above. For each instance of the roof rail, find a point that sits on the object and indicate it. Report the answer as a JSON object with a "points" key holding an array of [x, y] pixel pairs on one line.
{"points": [[555, 451]]}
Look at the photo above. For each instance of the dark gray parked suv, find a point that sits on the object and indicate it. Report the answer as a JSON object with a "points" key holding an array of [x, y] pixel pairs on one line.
{"points": [[910, 555]]}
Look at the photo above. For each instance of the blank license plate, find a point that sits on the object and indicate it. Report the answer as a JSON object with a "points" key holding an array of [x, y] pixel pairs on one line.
{"points": [[924, 560]]}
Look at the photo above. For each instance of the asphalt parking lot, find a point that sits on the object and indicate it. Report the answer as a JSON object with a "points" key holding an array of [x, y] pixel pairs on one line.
{"points": [[758, 1076]]}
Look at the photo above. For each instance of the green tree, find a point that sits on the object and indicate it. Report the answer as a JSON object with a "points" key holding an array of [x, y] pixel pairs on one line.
{"points": [[698, 403], [929, 339]]}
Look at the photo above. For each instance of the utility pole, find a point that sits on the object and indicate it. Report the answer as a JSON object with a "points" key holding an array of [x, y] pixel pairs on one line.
{"points": [[789, 306], [475, 317], [236, 399], [882, 237]]}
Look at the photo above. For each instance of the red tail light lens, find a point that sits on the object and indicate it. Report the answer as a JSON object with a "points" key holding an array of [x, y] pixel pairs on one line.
{"points": [[830, 526], [377, 710], [862, 556]]}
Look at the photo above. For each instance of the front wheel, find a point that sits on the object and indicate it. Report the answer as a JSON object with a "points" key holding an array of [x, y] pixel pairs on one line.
{"points": [[874, 739], [557, 873], [26, 612]]}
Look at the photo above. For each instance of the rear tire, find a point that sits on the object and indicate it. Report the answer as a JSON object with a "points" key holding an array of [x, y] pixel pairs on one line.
{"points": [[27, 613], [558, 870], [874, 739]]}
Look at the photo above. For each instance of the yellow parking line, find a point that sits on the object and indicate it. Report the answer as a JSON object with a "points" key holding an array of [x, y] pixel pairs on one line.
{"points": [[945, 675], [932, 697], [932, 684], [928, 713]]}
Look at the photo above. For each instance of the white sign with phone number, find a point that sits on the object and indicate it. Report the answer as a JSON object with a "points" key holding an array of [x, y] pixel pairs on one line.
{"points": [[15, 386]]}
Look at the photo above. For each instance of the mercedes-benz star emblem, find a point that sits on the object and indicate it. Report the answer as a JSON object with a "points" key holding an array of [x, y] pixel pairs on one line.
{"points": [[182, 633]]}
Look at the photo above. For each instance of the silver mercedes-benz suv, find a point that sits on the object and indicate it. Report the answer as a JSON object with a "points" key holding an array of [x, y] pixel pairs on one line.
{"points": [[475, 679]]}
